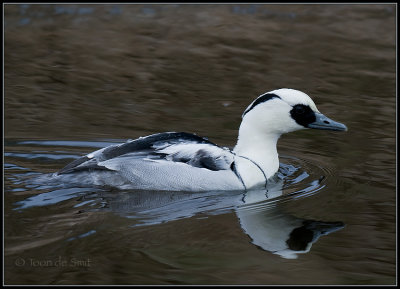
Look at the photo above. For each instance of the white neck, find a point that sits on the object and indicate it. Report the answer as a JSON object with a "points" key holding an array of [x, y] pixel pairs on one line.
{"points": [[259, 148]]}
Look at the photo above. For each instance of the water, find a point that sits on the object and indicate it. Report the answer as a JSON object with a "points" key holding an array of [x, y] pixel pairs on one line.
{"points": [[80, 77]]}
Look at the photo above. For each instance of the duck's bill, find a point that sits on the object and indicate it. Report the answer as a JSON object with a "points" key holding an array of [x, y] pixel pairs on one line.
{"points": [[323, 122], [324, 228]]}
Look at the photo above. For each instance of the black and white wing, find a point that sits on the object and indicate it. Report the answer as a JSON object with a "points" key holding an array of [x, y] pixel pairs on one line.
{"points": [[177, 147]]}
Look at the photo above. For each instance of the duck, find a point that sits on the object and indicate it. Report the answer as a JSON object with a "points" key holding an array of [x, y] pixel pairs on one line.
{"points": [[181, 161]]}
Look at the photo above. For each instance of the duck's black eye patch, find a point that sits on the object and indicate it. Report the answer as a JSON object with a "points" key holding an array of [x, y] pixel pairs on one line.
{"points": [[300, 238], [303, 114], [261, 99]]}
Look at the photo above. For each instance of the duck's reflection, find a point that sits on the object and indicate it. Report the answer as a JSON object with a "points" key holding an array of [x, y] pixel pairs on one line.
{"points": [[272, 230], [259, 212]]}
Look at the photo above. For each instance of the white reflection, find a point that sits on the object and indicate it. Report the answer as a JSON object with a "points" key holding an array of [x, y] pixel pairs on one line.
{"points": [[272, 230]]}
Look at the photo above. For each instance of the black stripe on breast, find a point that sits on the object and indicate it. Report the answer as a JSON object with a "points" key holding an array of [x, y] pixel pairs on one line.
{"points": [[261, 99]]}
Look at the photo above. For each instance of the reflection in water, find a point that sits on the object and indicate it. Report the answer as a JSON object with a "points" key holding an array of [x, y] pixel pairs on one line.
{"points": [[52, 197], [275, 231], [259, 211]]}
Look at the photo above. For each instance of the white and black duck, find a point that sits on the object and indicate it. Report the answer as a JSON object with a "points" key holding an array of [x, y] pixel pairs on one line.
{"points": [[187, 162]]}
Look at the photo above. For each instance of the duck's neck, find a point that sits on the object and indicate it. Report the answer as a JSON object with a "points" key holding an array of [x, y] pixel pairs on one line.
{"points": [[259, 148]]}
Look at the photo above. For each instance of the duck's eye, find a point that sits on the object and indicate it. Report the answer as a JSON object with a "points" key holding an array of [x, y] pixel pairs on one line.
{"points": [[299, 109], [302, 114]]}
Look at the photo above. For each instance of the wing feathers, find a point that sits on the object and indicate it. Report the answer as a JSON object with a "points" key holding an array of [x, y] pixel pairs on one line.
{"points": [[176, 147]]}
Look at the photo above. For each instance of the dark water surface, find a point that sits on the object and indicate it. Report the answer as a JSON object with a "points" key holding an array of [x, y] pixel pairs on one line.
{"points": [[80, 77]]}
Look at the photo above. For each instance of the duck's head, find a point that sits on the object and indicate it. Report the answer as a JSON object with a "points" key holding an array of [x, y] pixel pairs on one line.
{"points": [[286, 110]]}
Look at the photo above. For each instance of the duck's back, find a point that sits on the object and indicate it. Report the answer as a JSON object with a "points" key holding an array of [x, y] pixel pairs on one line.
{"points": [[164, 161]]}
